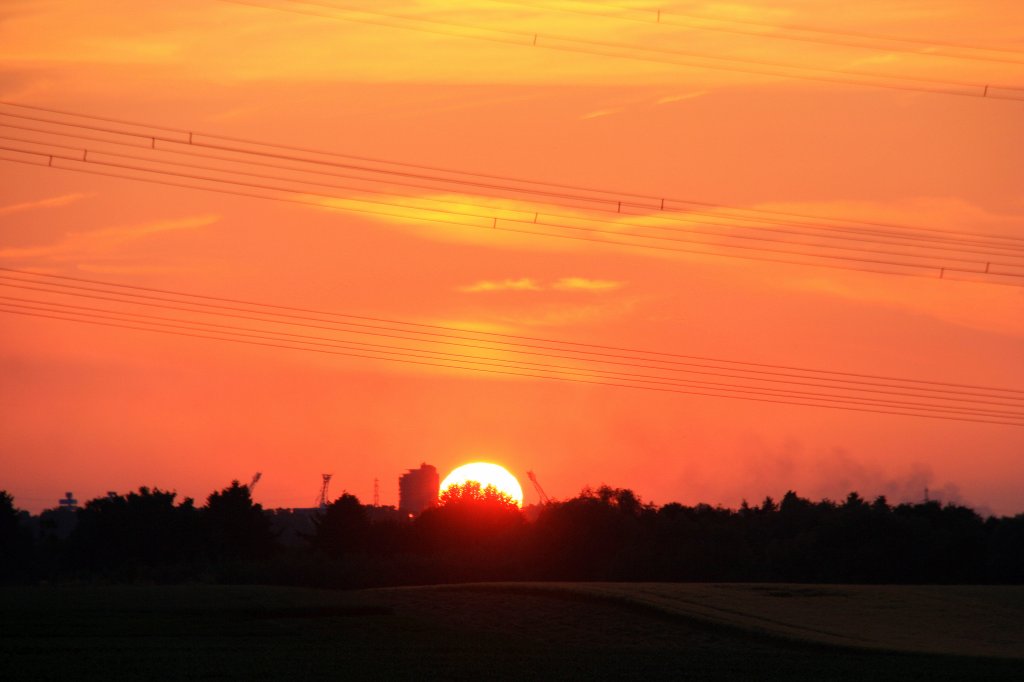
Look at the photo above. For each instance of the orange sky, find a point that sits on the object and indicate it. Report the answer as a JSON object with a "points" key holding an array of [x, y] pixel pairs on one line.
{"points": [[92, 409]]}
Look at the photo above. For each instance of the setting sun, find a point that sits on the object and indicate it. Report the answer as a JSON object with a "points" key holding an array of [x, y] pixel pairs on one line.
{"points": [[486, 474]]}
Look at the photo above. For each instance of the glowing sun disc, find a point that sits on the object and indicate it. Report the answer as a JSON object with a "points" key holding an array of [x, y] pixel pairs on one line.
{"points": [[486, 474]]}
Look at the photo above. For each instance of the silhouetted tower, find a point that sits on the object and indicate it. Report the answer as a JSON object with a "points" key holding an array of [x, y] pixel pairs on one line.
{"points": [[417, 490], [544, 499], [67, 502], [322, 502], [255, 479], [376, 492]]}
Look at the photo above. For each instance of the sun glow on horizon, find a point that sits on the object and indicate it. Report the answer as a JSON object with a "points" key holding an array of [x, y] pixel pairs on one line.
{"points": [[486, 474]]}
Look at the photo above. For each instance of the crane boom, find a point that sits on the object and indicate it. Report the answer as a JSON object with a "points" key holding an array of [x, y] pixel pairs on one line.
{"points": [[544, 499]]}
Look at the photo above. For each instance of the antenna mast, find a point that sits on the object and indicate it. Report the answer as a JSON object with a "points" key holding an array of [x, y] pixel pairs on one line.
{"points": [[322, 502]]}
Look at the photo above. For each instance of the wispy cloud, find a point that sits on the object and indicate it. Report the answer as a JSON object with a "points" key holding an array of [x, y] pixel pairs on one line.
{"points": [[679, 98], [600, 113], [106, 241], [584, 284], [523, 284], [528, 284], [51, 202], [126, 269]]}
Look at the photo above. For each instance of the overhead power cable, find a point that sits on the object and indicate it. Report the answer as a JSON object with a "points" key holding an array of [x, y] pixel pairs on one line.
{"points": [[378, 338], [919, 47], [347, 13], [309, 314], [763, 231], [980, 269], [391, 332], [617, 201], [730, 390], [312, 178]]}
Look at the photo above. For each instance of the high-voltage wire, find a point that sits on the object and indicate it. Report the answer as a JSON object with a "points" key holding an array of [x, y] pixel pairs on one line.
{"points": [[378, 331], [615, 201], [160, 322], [951, 243], [307, 314], [990, 258], [919, 47], [764, 233], [340, 12], [811, 387]]}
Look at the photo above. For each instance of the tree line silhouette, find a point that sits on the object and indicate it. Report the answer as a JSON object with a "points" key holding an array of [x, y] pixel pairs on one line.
{"points": [[480, 534]]}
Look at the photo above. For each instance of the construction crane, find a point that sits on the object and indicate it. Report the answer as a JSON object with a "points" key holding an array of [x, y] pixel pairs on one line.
{"points": [[255, 479], [544, 499], [322, 501]]}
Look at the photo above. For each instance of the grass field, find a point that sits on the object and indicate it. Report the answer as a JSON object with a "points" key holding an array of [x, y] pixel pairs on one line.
{"points": [[967, 620], [513, 631]]}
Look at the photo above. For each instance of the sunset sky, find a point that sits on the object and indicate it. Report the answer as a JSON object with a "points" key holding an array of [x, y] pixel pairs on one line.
{"points": [[794, 107]]}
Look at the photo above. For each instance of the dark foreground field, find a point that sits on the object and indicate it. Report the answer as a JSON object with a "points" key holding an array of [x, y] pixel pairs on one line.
{"points": [[514, 631]]}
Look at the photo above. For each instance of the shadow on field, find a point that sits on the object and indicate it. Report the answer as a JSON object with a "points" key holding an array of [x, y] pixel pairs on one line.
{"points": [[459, 633]]}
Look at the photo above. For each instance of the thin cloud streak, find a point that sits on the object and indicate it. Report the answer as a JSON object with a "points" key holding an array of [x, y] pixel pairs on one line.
{"points": [[51, 202], [584, 284], [528, 284], [524, 284], [105, 242]]}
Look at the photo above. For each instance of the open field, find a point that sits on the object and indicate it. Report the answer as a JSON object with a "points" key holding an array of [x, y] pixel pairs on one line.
{"points": [[967, 620], [512, 631]]}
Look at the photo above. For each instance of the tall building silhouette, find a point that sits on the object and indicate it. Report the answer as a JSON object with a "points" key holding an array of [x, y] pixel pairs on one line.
{"points": [[417, 490]]}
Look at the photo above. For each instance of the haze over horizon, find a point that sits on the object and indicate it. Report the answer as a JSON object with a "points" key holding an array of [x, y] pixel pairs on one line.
{"points": [[92, 408]]}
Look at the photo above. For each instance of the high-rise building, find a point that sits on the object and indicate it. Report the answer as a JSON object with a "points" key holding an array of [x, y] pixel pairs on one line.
{"points": [[417, 490]]}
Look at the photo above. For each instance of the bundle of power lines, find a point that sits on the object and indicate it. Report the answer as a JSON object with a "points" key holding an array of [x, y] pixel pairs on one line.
{"points": [[207, 317], [428, 22], [409, 192]]}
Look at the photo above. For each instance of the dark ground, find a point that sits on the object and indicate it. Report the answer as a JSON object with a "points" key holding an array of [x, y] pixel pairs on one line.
{"points": [[210, 632]]}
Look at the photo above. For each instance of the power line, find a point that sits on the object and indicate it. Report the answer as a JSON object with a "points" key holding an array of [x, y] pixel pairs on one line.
{"points": [[503, 372], [120, 316], [766, 377], [474, 366], [610, 198], [982, 273], [867, 41], [572, 371], [954, 405], [953, 243], [306, 314], [654, 55], [758, 236], [578, 228]]}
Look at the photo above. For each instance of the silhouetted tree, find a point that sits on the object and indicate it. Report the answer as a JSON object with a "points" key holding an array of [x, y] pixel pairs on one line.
{"points": [[1005, 551], [598, 535], [235, 527], [470, 493], [475, 533], [15, 540], [143, 528], [344, 527], [8, 519]]}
